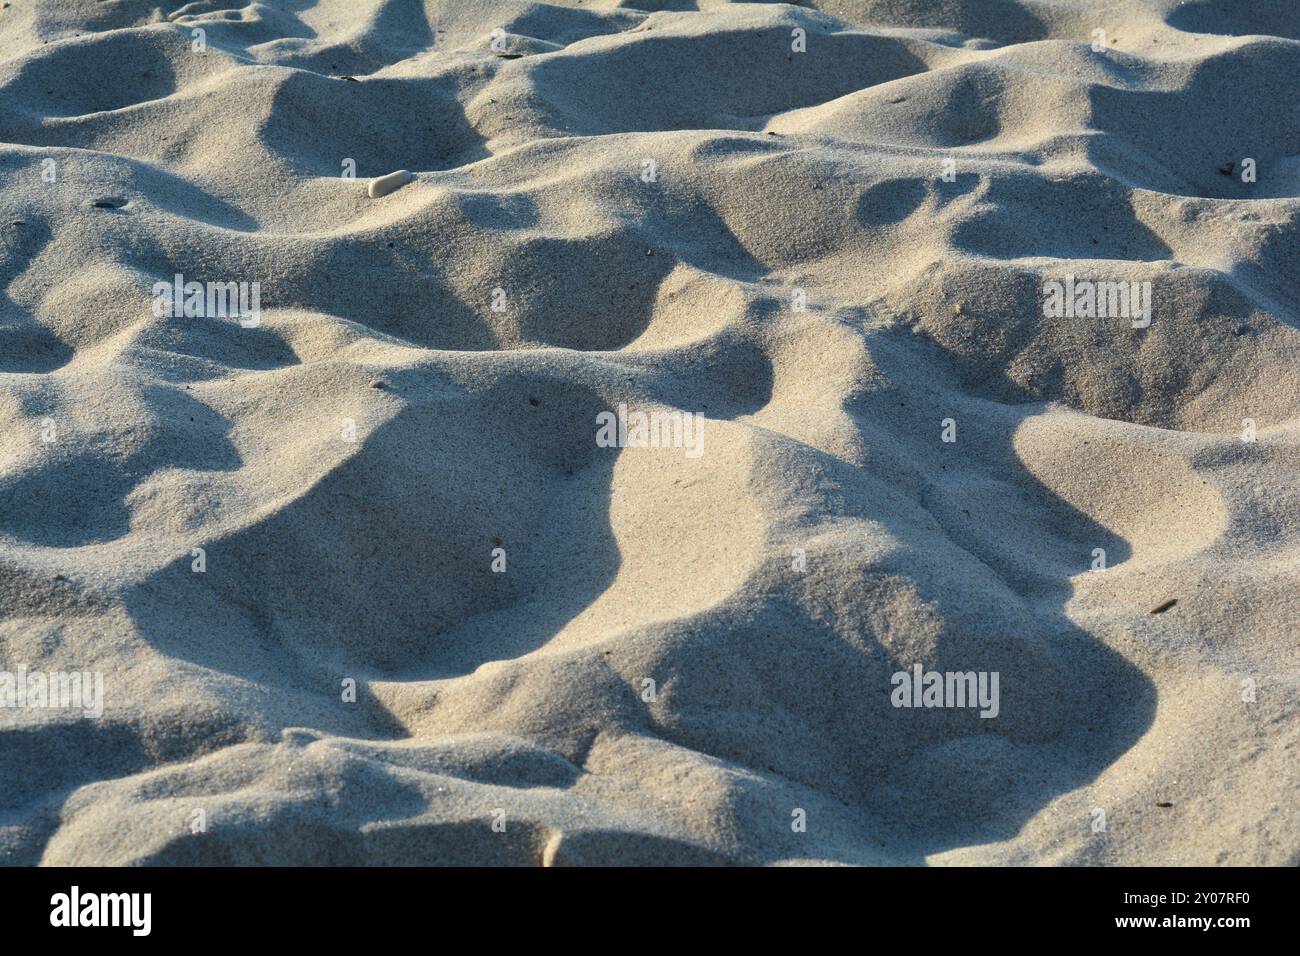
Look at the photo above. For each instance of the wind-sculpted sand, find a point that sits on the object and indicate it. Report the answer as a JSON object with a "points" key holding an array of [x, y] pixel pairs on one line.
{"points": [[363, 586]]}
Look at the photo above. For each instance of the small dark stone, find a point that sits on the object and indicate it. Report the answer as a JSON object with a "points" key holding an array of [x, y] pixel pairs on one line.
{"points": [[534, 402], [1227, 168], [378, 384], [1164, 806], [1161, 608]]}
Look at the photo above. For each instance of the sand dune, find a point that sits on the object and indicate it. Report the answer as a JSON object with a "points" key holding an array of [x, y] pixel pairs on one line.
{"points": [[364, 586]]}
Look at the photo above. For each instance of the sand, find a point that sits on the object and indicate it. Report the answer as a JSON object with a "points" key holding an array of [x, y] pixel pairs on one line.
{"points": [[360, 584]]}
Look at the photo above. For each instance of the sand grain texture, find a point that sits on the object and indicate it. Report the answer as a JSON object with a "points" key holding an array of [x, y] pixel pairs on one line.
{"points": [[423, 384]]}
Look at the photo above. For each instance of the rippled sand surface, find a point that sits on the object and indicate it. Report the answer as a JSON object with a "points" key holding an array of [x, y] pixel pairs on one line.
{"points": [[362, 585]]}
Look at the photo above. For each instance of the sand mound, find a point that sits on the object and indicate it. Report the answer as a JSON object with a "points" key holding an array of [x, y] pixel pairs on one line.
{"points": [[363, 585]]}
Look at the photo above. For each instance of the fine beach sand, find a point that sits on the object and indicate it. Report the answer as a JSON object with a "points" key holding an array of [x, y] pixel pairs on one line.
{"points": [[740, 210]]}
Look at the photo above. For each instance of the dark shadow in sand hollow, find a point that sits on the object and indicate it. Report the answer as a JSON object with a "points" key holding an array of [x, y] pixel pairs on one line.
{"points": [[365, 573], [383, 124], [77, 492], [26, 346], [772, 686], [1068, 711]]}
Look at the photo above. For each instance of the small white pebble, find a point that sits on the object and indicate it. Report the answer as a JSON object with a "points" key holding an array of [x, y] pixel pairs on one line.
{"points": [[390, 183]]}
